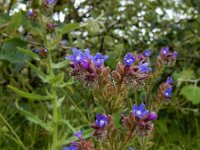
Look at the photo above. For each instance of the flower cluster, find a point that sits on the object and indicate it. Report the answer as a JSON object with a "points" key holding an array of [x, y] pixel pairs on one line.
{"points": [[85, 66], [165, 90], [166, 57], [32, 14]]}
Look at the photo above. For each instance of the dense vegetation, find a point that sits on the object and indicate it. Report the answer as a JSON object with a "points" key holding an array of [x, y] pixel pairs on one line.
{"points": [[31, 39]]}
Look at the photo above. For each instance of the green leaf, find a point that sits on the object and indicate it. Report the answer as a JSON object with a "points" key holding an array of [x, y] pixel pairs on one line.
{"points": [[60, 64], [192, 93], [69, 27], [28, 53], [9, 51], [39, 73], [31, 117], [31, 96]]}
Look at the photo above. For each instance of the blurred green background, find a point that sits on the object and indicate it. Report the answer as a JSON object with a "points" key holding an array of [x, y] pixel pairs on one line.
{"points": [[112, 27]]}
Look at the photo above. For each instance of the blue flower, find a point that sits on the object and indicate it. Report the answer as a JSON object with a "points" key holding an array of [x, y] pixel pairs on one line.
{"points": [[129, 59], [29, 12], [36, 50], [165, 50], [101, 120], [78, 134], [131, 148], [139, 111], [99, 59], [143, 67], [49, 2], [174, 54], [168, 92], [147, 53], [71, 147], [169, 80]]}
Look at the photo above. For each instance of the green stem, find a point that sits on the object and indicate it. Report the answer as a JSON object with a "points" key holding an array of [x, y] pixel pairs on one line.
{"points": [[13, 131]]}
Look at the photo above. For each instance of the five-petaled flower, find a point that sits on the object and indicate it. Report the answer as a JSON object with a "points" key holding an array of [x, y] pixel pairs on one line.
{"points": [[139, 111], [99, 59], [129, 59], [143, 67], [165, 50], [101, 120], [168, 92], [147, 53]]}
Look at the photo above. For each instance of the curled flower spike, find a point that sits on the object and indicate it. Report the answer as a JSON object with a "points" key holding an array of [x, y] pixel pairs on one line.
{"points": [[169, 80], [129, 59], [143, 67], [165, 50], [168, 92], [147, 53], [78, 134], [101, 120], [139, 111], [99, 59]]}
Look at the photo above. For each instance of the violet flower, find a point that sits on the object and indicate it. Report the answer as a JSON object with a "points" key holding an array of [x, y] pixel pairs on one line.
{"points": [[147, 53], [78, 134], [152, 116], [99, 59], [165, 50], [50, 2], [101, 120], [143, 67], [169, 80], [71, 147], [129, 59], [168, 92], [139, 111]]}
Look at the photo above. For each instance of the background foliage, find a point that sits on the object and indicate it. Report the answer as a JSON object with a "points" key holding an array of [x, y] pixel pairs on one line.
{"points": [[111, 27]]}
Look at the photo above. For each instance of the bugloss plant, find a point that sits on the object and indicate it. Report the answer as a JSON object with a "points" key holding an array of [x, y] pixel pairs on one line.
{"points": [[110, 89]]}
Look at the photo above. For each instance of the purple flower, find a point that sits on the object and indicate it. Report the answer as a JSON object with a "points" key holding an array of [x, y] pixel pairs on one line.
{"points": [[49, 2], [77, 57], [169, 80], [71, 147], [165, 50], [129, 59], [139, 111], [78, 134], [147, 53], [152, 116], [99, 59], [168, 92], [140, 56], [29, 12], [101, 120], [174, 54], [143, 67], [36, 50], [131, 148]]}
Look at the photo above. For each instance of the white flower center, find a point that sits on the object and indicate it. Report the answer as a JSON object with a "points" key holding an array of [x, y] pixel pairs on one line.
{"points": [[138, 112], [101, 122], [78, 57]]}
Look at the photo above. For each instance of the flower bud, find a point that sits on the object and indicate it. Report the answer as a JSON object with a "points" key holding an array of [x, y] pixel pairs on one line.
{"points": [[152, 116]]}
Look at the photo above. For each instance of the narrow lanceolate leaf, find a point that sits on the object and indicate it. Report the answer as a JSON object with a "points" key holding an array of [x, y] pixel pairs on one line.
{"points": [[69, 27], [27, 95], [60, 64], [39, 73], [31, 117], [28, 53]]}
